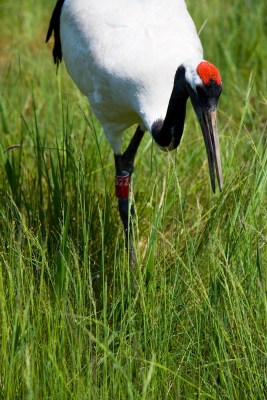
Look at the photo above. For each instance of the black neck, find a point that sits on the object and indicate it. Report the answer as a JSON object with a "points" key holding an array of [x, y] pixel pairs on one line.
{"points": [[168, 132]]}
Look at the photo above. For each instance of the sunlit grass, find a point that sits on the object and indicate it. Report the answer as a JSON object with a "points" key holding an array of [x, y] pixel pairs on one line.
{"points": [[70, 324]]}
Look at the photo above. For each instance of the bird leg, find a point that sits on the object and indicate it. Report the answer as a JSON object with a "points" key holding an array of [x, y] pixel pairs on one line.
{"points": [[124, 164], [130, 153]]}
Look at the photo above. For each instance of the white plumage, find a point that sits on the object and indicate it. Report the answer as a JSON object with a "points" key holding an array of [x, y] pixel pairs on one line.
{"points": [[138, 62], [123, 55]]}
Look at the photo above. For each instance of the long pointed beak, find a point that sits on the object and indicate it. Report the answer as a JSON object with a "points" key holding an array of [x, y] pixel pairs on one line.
{"points": [[208, 125]]}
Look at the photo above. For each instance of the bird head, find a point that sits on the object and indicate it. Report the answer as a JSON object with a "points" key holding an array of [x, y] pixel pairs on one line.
{"points": [[204, 86]]}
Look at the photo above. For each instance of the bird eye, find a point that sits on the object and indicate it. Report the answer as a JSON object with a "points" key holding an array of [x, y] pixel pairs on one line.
{"points": [[200, 91]]}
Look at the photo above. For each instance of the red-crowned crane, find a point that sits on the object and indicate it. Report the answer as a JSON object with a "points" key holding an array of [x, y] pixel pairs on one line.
{"points": [[138, 61]]}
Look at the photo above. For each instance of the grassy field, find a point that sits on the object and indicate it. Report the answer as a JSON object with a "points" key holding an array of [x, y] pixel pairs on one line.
{"points": [[70, 325]]}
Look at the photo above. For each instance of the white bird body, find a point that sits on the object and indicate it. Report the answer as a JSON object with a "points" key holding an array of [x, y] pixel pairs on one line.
{"points": [[123, 55], [138, 62]]}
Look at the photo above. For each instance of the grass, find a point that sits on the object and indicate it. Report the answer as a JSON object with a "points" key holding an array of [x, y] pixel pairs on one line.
{"points": [[70, 326]]}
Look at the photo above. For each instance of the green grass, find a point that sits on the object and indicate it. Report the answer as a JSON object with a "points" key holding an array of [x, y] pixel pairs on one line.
{"points": [[70, 326]]}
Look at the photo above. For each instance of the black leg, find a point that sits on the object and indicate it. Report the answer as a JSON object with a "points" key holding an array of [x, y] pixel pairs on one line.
{"points": [[124, 168], [130, 153]]}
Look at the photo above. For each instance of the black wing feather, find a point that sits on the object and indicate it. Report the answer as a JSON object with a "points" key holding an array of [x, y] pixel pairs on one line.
{"points": [[55, 26]]}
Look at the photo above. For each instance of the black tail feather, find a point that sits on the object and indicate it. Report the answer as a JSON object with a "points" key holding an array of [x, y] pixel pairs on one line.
{"points": [[55, 26]]}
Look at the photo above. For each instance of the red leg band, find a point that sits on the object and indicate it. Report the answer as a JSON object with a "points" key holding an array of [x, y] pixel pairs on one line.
{"points": [[122, 184]]}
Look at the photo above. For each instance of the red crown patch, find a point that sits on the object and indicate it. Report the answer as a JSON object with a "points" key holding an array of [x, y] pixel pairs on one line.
{"points": [[208, 73]]}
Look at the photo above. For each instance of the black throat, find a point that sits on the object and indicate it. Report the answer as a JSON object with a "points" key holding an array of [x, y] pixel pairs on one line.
{"points": [[168, 132]]}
